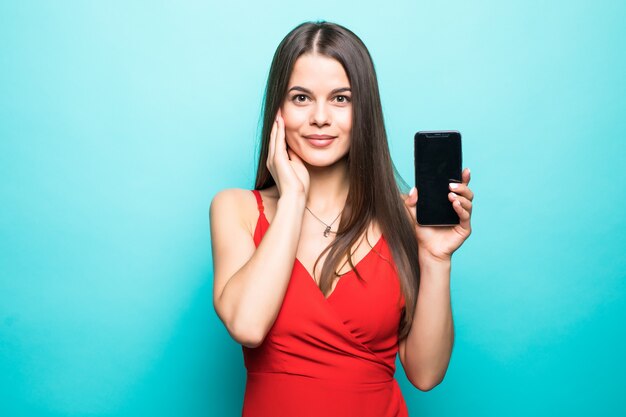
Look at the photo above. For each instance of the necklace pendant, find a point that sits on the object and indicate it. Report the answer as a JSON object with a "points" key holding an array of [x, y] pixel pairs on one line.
{"points": [[327, 231]]}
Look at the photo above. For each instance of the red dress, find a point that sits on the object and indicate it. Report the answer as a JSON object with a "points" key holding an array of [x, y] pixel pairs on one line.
{"points": [[330, 357]]}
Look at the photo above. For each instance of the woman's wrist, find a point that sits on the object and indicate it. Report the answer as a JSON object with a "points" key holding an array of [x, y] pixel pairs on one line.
{"points": [[435, 271], [428, 258], [292, 199], [434, 266]]}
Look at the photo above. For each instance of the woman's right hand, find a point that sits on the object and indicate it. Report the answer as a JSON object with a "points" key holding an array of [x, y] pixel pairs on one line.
{"points": [[286, 167]]}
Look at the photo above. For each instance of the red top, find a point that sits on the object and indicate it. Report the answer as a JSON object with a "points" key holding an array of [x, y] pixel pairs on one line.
{"points": [[330, 357]]}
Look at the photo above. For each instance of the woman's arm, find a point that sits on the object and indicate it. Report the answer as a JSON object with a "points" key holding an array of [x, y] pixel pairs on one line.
{"points": [[426, 351], [250, 283]]}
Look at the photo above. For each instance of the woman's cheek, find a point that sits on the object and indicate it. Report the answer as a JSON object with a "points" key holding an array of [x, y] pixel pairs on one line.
{"points": [[290, 139], [291, 132]]}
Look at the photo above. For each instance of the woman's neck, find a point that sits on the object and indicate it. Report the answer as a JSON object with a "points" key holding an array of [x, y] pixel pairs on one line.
{"points": [[328, 188]]}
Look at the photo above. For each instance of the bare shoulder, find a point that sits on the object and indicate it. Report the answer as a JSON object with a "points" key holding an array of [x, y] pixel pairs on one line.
{"points": [[231, 236], [237, 204], [226, 201]]}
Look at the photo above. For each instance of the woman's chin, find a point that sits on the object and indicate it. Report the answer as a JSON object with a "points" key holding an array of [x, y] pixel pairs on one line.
{"points": [[321, 162]]}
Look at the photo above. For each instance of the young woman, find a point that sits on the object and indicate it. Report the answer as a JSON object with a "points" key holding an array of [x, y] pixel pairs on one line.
{"points": [[321, 272]]}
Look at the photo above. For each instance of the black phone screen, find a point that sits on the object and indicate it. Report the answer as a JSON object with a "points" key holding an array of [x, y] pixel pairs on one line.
{"points": [[438, 161]]}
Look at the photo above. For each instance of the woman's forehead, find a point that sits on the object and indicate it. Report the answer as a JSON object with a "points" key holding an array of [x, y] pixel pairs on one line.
{"points": [[318, 73]]}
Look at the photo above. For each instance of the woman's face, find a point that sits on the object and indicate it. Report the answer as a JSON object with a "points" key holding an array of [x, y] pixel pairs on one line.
{"points": [[318, 102]]}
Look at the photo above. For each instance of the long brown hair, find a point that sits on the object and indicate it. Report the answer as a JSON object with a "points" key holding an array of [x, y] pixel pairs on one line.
{"points": [[374, 181]]}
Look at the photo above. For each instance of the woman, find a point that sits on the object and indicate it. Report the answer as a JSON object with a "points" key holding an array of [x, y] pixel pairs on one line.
{"points": [[318, 269]]}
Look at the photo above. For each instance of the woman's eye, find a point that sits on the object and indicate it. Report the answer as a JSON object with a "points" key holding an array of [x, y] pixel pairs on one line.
{"points": [[340, 99]]}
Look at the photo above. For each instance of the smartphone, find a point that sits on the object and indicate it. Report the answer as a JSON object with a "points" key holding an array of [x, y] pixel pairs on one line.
{"points": [[438, 162]]}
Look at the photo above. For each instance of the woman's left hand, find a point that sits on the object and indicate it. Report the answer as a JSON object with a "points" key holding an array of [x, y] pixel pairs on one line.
{"points": [[439, 242]]}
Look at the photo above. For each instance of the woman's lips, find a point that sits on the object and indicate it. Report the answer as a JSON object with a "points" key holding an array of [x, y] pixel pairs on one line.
{"points": [[320, 141], [319, 136]]}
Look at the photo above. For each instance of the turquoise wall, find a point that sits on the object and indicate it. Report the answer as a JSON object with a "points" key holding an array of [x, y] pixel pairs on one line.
{"points": [[119, 121]]}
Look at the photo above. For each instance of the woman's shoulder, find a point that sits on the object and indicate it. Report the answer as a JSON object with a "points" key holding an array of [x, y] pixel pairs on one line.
{"points": [[233, 203], [240, 196], [232, 197], [243, 202]]}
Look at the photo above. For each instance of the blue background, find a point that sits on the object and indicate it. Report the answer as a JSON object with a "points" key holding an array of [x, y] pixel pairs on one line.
{"points": [[119, 122]]}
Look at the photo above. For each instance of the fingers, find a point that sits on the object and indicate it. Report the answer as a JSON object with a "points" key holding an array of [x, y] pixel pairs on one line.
{"points": [[465, 176], [275, 141], [270, 154], [411, 199], [461, 198], [460, 206], [410, 202], [462, 190], [281, 143], [460, 201]]}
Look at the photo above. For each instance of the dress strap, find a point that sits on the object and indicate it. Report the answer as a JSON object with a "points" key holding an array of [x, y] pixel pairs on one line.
{"points": [[259, 200]]}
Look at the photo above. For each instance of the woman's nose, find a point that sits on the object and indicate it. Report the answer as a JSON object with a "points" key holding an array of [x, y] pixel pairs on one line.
{"points": [[320, 114]]}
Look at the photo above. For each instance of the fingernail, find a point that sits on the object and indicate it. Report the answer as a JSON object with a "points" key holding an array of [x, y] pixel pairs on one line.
{"points": [[454, 185]]}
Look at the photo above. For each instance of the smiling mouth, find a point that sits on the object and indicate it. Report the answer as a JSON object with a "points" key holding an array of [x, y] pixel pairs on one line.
{"points": [[320, 142], [320, 137]]}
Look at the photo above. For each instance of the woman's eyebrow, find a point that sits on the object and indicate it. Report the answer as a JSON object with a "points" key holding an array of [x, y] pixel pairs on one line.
{"points": [[306, 90]]}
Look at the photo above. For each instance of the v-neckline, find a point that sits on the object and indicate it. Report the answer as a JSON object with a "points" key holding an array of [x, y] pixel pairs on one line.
{"points": [[350, 272], [310, 277]]}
